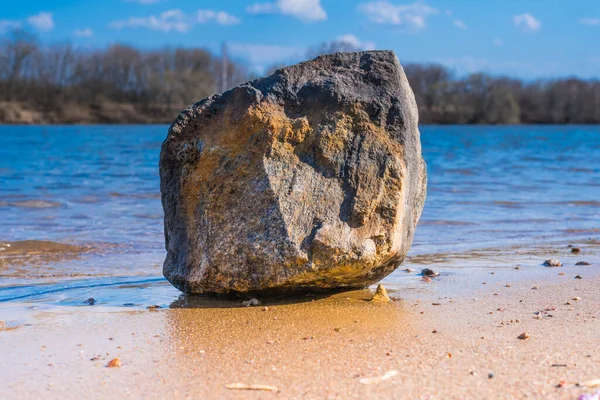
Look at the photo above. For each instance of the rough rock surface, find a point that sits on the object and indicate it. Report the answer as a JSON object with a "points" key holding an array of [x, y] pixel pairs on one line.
{"points": [[309, 179]]}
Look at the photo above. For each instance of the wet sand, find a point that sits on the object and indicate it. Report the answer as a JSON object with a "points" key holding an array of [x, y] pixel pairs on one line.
{"points": [[316, 348]]}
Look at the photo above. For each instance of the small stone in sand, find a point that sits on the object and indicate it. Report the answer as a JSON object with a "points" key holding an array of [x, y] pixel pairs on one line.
{"points": [[535, 288], [575, 250], [578, 277], [490, 375], [241, 386], [153, 307], [430, 273], [251, 303], [507, 285], [524, 336], [114, 363], [590, 384], [568, 303], [91, 301], [517, 267], [386, 376], [576, 298], [380, 295], [409, 270], [337, 329], [552, 263], [582, 263]]}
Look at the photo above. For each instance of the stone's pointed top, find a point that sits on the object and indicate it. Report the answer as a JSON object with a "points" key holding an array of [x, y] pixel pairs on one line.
{"points": [[380, 295], [383, 55]]}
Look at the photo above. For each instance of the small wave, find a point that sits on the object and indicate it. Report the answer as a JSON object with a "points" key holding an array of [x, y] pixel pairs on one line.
{"points": [[35, 204], [445, 222], [136, 195]]}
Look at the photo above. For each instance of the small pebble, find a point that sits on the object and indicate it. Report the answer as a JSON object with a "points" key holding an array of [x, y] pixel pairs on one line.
{"points": [[535, 288], [430, 273], [575, 250], [114, 363], [576, 298], [381, 295], [583, 263], [507, 285], [91, 301], [524, 336], [552, 263], [251, 303], [578, 277], [490, 375]]}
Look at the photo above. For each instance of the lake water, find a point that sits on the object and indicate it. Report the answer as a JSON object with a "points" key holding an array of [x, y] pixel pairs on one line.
{"points": [[498, 197]]}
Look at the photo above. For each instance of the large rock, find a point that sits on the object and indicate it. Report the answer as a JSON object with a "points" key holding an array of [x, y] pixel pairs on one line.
{"points": [[309, 179]]}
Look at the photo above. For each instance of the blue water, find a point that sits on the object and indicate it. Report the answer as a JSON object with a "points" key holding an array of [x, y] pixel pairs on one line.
{"points": [[489, 188]]}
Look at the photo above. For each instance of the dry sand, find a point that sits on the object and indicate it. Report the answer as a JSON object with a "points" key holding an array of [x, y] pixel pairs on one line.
{"points": [[317, 348]]}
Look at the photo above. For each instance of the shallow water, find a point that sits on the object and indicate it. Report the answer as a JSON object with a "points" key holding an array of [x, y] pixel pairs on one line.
{"points": [[497, 197]]}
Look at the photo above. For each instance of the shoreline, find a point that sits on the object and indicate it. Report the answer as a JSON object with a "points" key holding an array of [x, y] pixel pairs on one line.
{"points": [[442, 346]]}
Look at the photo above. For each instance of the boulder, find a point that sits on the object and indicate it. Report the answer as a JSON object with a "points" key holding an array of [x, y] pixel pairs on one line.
{"points": [[310, 179]]}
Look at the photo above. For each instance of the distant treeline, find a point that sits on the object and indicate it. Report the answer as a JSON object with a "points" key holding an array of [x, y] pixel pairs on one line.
{"points": [[63, 83], [121, 84]]}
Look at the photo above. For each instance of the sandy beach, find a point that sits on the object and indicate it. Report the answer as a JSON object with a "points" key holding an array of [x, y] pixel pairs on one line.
{"points": [[335, 347]]}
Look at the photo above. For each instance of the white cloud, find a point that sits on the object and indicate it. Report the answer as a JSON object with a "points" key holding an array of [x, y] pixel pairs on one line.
{"points": [[385, 13], [86, 32], [356, 42], [42, 21], [220, 17], [460, 24], [306, 10], [590, 21], [172, 20], [527, 23], [498, 42], [7, 24]]}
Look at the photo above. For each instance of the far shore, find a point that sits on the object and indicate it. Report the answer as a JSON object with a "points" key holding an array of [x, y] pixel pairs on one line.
{"points": [[16, 114]]}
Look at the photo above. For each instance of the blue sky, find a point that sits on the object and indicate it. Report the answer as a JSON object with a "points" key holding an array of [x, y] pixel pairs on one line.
{"points": [[523, 38]]}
